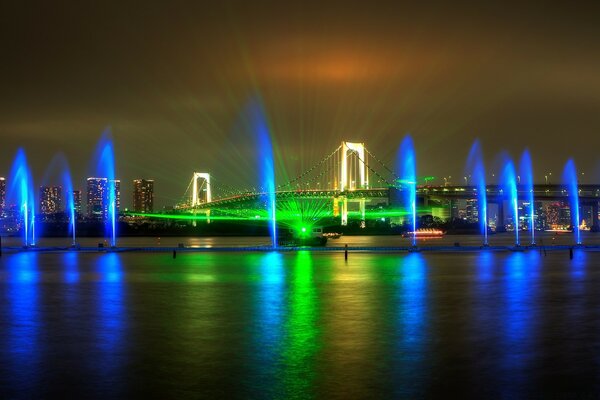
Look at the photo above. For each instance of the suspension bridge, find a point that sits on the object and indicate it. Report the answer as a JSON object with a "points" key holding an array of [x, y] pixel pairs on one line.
{"points": [[337, 186], [349, 183]]}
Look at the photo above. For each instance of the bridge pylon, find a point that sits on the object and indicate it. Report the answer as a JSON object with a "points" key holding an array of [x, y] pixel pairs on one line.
{"points": [[196, 198], [359, 148], [196, 188], [363, 181]]}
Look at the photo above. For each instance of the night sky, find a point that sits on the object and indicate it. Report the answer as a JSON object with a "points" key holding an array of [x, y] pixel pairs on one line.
{"points": [[172, 80]]}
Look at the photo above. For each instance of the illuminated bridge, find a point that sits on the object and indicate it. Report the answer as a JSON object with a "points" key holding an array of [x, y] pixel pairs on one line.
{"points": [[351, 182], [329, 188]]}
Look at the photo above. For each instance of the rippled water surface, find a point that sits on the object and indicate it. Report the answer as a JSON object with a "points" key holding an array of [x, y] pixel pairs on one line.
{"points": [[284, 325]]}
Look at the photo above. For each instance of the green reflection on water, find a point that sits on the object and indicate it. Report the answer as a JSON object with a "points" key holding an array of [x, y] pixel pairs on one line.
{"points": [[300, 341]]}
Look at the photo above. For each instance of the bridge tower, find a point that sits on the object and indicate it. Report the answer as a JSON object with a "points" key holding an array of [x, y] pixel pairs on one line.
{"points": [[201, 180], [196, 201], [359, 148], [363, 182]]}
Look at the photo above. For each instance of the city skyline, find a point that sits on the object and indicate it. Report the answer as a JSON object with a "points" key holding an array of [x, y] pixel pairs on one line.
{"points": [[174, 198], [552, 214], [461, 180]]}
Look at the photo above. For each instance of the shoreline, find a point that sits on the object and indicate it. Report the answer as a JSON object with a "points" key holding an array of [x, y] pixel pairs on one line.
{"points": [[285, 249]]}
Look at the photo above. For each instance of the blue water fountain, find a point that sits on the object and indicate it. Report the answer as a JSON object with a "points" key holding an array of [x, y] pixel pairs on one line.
{"points": [[569, 179], [21, 195], [476, 168], [526, 174], [70, 204], [266, 166], [105, 168], [508, 182], [407, 171]]}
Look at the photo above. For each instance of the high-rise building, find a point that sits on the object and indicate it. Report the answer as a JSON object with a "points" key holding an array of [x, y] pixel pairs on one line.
{"points": [[77, 201], [558, 215], [472, 211], [540, 216], [2, 195], [98, 197], [117, 188], [143, 195], [96, 204], [454, 209], [50, 200]]}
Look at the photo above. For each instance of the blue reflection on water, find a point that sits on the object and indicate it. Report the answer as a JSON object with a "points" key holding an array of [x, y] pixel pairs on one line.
{"points": [[70, 263], [485, 267], [268, 329], [522, 270], [578, 265], [24, 332], [110, 317], [412, 322], [519, 319], [576, 309], [271, 298]]}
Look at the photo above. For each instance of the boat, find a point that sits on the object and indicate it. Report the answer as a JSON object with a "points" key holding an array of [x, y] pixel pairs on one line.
{"points": [[425, 233], [333, 235]]}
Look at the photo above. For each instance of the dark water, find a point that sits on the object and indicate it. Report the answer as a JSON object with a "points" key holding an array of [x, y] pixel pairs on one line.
{"points": [[300, 325], [501, 239]]}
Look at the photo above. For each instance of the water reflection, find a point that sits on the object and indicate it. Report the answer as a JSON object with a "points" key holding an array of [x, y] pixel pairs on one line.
{"points": [[300, 341], [579, 318], [70, 262], [485, 267], [268, 329], [287, 325], [519, 319], [578, 265], [24, 331], [413, 319], [110, 322]]}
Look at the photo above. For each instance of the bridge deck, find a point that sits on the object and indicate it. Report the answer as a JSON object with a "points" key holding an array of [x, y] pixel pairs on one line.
{"points": [[587, 193]]}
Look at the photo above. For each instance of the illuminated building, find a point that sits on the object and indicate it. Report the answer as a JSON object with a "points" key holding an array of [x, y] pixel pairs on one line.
{"points": [[96, 191], [540, 216], [472, 211], [557, 215], [98, 199], [77, 201], [143, 196], [50, 200], [117, 186], [454, 209], [551, 211]]}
